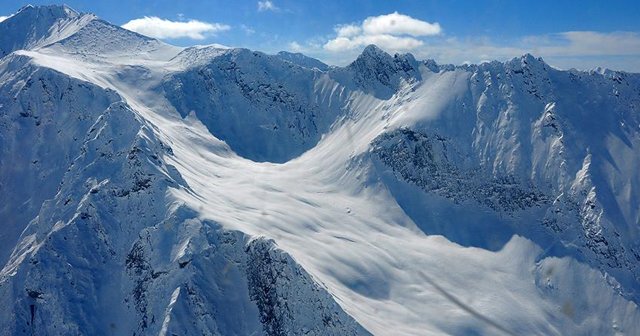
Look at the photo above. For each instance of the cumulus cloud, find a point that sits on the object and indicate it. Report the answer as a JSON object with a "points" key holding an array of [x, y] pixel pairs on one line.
{"points": [[2, 18], [166, 29], [267, 5], [348, 30], [398, 24], [395, 32]]}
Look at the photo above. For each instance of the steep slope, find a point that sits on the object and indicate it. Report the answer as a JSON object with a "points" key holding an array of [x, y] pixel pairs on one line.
{"points": [[207, 184], [44, 117], [265, 108], [527, 141]]}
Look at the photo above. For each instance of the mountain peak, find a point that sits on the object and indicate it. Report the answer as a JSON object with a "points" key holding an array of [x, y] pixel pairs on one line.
{"points": [[527, 61], [48, 11], [529, 58], [374, 50], [379, 73], [371, 55], [34, 26]]}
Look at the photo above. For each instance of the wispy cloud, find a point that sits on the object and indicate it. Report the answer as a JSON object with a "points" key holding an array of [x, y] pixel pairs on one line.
{"points": [[166, 29], [267, 5], [247, 30], [395, 31], [587, 43], [2, 18]]}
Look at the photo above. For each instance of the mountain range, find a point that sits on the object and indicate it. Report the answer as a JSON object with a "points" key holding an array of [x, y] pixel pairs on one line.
{"points": [[152, 189]]}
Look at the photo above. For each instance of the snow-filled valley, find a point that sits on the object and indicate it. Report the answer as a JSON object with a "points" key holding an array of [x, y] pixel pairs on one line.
{"points": [[153, 189]]}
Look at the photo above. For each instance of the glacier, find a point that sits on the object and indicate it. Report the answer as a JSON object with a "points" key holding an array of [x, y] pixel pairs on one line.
{"points": [[152, 189]]}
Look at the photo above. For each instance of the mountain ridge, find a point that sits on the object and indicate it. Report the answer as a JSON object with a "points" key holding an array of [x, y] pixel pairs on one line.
{"points": [[363, 199]]}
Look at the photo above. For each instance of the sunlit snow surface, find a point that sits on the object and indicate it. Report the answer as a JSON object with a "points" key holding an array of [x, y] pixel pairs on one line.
{"points": [[358, 228]]}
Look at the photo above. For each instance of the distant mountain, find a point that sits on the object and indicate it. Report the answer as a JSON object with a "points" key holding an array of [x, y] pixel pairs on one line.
{"points": [[152, 189]]}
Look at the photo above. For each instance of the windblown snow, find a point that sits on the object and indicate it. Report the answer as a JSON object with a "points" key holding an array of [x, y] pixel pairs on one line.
{"points": [[152, 189]]}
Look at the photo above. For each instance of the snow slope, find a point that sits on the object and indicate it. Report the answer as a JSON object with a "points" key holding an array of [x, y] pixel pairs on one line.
{"points": [[151, 189]]}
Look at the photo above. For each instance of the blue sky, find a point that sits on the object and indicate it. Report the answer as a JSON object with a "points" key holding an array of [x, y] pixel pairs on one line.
{"points": [[581, 34]]}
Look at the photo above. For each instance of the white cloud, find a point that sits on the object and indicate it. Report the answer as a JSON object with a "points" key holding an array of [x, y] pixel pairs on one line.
{"points": [[166, 29], [399, 24], [394, 32], [267, 5], [348, 30], [2, 18], [389, 42]]}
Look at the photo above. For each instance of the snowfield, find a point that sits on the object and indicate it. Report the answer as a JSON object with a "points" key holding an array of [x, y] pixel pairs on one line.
{"points": [[151, 189]]}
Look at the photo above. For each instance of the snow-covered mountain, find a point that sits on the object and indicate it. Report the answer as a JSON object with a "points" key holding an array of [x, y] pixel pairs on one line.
{"points": [[151, 189]]}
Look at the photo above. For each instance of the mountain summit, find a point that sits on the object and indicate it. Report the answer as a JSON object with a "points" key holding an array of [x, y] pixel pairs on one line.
{"points": [[33, 27], [152, 189]]}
